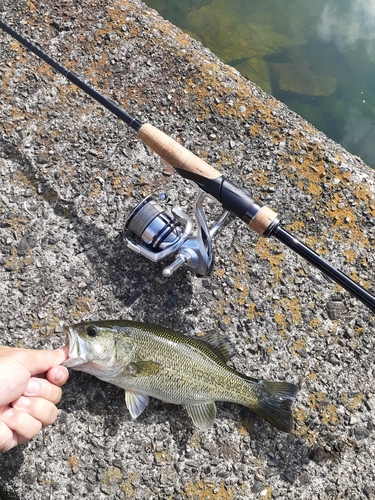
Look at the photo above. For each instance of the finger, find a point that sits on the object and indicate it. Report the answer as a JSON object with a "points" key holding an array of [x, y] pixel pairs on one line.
{"points": [[41, 388], [40, 361], [40, 409], [58, 375], [8, 438], [23, 425]]}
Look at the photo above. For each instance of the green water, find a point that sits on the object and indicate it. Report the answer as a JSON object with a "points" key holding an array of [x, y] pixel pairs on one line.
{"points": [[317, 56]]}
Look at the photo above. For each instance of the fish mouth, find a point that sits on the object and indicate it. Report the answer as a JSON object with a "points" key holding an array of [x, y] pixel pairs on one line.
{"points": [[76, 348]]}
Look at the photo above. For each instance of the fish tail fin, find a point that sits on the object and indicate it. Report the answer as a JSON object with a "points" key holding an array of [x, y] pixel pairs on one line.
{"points": [[275, 404]]}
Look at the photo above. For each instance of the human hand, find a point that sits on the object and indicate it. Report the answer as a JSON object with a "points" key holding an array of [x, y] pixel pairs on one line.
{"points": [[30, 383]]}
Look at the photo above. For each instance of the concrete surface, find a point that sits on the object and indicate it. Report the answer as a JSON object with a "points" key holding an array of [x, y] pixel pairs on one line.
{"points": [[70, 175]]}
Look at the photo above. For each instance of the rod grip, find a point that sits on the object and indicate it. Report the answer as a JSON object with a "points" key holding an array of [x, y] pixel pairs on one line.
{"points": [[264, 220], [176, 155]]}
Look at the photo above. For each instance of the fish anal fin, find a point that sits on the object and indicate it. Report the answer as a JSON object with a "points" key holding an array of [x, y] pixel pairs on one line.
{"points": [[220, 345], [135, 403], [203, 414]]}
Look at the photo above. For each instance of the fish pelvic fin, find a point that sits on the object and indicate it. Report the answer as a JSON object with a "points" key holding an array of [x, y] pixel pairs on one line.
{"points": [[135, 403], [203, 414], [275, 404]]}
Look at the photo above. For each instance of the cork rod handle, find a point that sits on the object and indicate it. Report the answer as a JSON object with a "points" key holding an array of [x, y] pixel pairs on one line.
{"points": [[173, 153], [263, 220]]}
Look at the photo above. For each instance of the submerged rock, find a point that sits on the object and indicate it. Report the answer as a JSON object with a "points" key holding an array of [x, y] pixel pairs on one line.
{"points": [[251, 33], [298, 78], [294, 74]]}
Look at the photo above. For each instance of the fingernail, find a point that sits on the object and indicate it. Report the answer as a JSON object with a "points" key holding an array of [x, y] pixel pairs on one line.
{"points": [[60, 375], [22, 403], [32, 387]]}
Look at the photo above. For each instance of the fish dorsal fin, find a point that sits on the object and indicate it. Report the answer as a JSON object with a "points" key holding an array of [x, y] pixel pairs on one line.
{"points": [[202, 415], [220, 345], [135, 403], [143, 368]]}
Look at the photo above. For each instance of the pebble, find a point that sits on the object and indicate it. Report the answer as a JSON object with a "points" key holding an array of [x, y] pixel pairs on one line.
{"points": [[370, 403], [230, 282], [369, 491], [223, 325], [257, 487], [361, 433]]}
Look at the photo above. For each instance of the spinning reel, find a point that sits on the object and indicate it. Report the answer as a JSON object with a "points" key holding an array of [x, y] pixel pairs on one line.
{"points": [[162, 234]]}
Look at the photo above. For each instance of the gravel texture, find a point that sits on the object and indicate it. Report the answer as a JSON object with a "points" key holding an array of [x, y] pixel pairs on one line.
{"points": [[70, 175]]}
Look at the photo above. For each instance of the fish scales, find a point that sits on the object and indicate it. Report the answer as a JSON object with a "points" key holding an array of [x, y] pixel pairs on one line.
{"points": [[191, 372]]}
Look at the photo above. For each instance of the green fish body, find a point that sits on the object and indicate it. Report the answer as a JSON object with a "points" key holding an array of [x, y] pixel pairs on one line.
{"points": [[149, 360]]}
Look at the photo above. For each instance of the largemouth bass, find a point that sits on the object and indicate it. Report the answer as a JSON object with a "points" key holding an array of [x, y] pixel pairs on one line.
{"points": [[149, 360]]}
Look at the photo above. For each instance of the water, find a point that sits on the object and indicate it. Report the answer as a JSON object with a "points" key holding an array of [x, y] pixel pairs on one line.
{"points": [[317, 56]]}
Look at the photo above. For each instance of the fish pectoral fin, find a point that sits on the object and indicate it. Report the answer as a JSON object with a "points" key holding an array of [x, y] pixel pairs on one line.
{"points": [[135, 403], [143, 368], [203, 414]]}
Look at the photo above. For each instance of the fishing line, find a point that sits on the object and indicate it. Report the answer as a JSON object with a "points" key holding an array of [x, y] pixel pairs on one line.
{"points": [[195, 253]]}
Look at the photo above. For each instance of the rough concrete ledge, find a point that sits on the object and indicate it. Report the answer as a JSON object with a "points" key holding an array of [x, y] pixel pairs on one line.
{"points": [[71, 173]]}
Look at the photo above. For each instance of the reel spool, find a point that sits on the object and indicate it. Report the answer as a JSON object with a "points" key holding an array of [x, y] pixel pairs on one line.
{"points": [[161, 234]]}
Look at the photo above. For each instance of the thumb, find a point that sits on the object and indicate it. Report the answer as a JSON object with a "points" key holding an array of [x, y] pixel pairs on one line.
{"points": [[40, 361]]}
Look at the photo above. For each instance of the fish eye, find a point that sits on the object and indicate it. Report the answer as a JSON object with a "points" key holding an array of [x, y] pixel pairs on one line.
{"points": [[91, 331]]}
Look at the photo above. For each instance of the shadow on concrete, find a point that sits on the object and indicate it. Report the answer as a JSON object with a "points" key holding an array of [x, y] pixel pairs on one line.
{"points": [[114, 262]]}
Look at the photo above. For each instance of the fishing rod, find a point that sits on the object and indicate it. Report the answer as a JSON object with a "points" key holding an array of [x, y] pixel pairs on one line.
{"points": [[163, 233]]}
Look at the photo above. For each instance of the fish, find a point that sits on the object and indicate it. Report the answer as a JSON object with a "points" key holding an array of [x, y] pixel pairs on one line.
{"points": [[153, 361]]}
